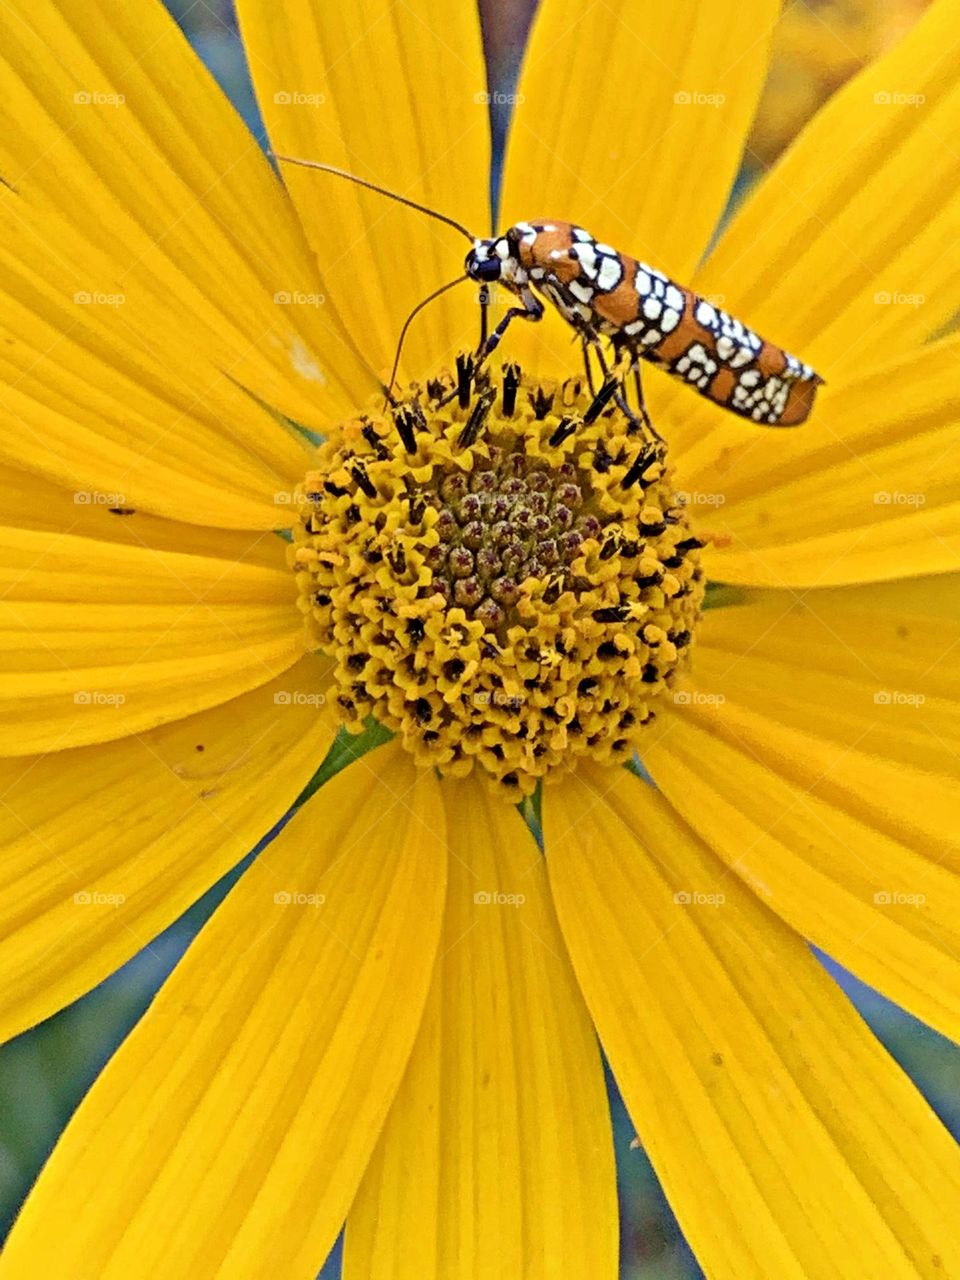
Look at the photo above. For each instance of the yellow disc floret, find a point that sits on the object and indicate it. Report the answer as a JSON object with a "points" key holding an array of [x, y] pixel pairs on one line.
{"points": [[501, 583]]}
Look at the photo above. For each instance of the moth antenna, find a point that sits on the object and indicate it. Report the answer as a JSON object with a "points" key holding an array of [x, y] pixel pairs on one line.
{"points": [[406, 325], [372, 186]]}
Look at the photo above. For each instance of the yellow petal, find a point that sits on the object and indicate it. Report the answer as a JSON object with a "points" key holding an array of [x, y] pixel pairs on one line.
{"points": [[229, 1133], [29, 501], [104, 847], [844, 253], [144, 268], [786, 1140], [867, 489], [631, 121], [100, 640], [502, 1113], [856, 852], [885, 685], [397, 97]]}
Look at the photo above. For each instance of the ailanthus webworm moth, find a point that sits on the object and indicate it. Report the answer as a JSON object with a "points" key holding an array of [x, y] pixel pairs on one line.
{"points": [[603, 293]]}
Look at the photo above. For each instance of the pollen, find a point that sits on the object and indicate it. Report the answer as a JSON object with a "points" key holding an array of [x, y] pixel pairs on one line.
{"points": [[501, 581]]}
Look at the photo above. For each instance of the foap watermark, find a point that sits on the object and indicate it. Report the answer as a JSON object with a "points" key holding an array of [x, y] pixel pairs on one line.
{"points": [[700, 498], [98, 698], [498, 698], [290, 498], [98, 98], [898, 698], [898, 298], [898, 898], [298, 298], [695, 98], [297, 98], [495, 296], [698, 698], [97, 898], [499, 99], [895, 498], [297, 898], [494, 898], [898, 98], [696, 898], [298, 698], [95, 498], [98, 298]]}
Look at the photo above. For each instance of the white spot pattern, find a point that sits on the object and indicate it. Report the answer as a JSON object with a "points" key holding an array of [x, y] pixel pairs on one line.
{"points": [[660, 303]]}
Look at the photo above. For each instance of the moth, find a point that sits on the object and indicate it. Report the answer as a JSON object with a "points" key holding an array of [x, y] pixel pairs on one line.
{"points": [[603, 293]]}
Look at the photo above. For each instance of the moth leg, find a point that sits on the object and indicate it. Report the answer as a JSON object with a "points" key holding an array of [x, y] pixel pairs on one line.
{"points": [[654, 445], [532, 309], [586, 364], [484, 316], [612, 388]]}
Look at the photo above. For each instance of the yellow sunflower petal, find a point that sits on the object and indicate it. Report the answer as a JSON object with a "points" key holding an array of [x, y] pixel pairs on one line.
{"points": [[100, 640], [631, 120], [29, 501], [854, 851], [141, 339], [230, 1131], [103, 847], [845, 251], [786, 1140], [885, 684], [506, 1050], [868, 489], [398, 97]]}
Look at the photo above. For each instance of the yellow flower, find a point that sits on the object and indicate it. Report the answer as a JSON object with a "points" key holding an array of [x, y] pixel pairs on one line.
{"points": [[392, 1018]]}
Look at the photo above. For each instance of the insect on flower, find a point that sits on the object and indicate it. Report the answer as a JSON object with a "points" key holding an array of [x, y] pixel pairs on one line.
{"points": [[603, 293]]}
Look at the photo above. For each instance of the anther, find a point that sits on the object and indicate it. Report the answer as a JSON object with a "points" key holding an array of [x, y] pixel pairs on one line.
{"points": [[601, 400], [640, 464], [359, 473], [477, 418], [541, 402], [404, 420], [565, 428], [375, 443], [465, 368], [511, 384]]}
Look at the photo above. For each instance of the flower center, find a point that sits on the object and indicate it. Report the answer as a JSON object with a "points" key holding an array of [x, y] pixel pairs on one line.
{"points": [[503, 582]]}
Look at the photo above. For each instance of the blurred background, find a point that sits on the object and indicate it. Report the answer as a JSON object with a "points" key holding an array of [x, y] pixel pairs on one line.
{"points": [[45, 1072]]}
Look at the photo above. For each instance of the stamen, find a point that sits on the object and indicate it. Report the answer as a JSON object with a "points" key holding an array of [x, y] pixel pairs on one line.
{"points": [[511, 384]]}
